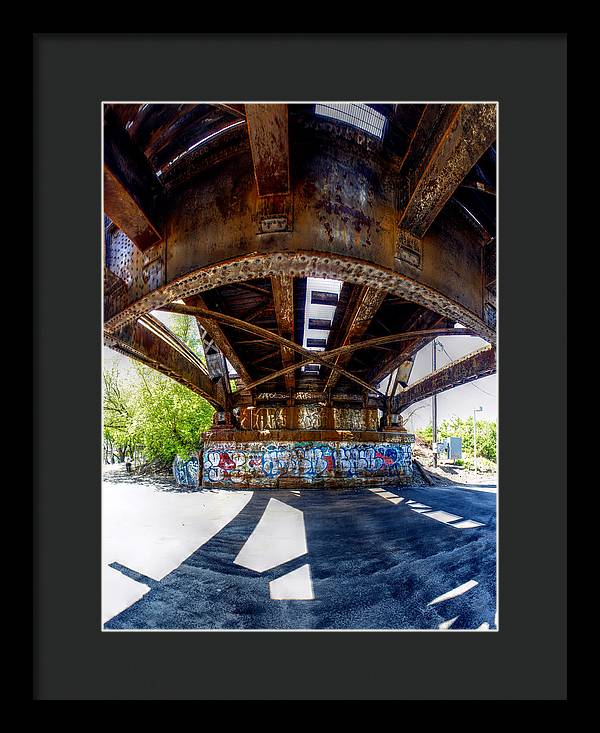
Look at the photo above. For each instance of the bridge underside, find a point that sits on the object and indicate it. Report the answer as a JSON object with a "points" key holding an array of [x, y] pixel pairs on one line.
{"points": [[316, 259]]}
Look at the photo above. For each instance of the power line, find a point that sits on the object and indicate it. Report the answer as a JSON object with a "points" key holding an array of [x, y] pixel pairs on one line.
{"points": [[472, 384]]}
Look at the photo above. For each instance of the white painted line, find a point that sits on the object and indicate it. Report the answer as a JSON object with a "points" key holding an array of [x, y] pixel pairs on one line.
{"points": [[411, 501], [484, 627], [294, 586], [420, 506], [377, 490], [455, 592], [443, 516], [278, 537], [468, 523], [397, 500], [388, 495], [297, 493], [119, 592], [447, 624], [420, 511]]}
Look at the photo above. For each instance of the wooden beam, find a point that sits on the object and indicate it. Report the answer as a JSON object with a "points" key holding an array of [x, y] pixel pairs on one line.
{"points": [[283, 299], [269, 142], [144, 343], [361, 314], [480, 363], [448, 142], [221, 341], [131, 187]]}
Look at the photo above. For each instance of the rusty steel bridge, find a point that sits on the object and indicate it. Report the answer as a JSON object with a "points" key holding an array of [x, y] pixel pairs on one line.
{"points": [[228, 213]]}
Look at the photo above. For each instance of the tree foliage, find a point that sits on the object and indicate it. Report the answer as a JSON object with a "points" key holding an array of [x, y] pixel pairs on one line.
{"points": [[459, 428], [152, 415]]}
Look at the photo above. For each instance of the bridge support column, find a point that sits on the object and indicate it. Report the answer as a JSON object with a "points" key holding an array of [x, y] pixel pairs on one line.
{"points": [[329, 447]]}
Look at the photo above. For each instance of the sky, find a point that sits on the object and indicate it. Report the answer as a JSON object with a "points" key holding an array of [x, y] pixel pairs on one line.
{"points": [[459, 402]]}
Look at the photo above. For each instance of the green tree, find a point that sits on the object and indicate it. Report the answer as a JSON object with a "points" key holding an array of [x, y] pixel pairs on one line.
{"points": [[151, 414], [463, 428]]}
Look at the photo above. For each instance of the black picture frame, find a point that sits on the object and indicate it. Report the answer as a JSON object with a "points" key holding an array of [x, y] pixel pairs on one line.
{"points": [[525, 659]]}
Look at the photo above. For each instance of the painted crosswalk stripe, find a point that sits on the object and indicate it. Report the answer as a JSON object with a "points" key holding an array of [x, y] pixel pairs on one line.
{"points": [[454, 592], [293, 586], [443, 516], [447, 624], [278, 537], [468, 523]]}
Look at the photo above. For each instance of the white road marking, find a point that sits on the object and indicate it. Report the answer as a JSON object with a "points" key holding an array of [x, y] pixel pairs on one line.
{"points": [[420, 506], [393, 498], [484, 627], [455, 592], [420, 511], [293, 586], [278, 537], [447, 624], [297, 493], [443, 516], [119, 592], [468, 523]]}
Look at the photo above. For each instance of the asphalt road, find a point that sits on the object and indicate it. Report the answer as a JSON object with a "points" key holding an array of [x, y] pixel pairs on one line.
{"points": [[374, 564]]}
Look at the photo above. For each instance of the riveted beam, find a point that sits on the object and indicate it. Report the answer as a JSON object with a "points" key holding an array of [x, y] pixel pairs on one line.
{"points": [[329, 357], [419, 321], [303, 264], [216, 333], [269, 142], [310, 356], [477, 364], [145, 342], [447, 143], [283, 299], [362, 313], [326, 358], [131, 188]]}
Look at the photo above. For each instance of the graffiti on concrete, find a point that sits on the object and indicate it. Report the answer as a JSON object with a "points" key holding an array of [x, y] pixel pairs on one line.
{"points": [[187, 470], [310, 417], [355, 419], [265, 463], [263, 418]]}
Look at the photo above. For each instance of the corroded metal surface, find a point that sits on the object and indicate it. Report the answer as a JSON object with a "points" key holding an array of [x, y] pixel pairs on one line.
{"points": [[233, 206], [301, 264], [477, 364], [142, 344], [469, 133], [283, 300], [364, 310]]}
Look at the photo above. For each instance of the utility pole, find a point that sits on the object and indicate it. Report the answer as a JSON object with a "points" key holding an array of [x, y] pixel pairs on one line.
{"points": [[479, 409], [434, 406]]}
